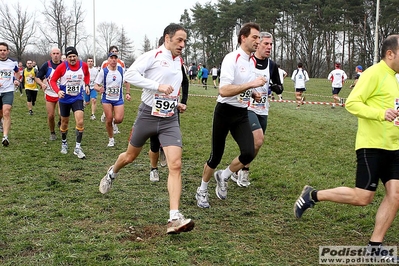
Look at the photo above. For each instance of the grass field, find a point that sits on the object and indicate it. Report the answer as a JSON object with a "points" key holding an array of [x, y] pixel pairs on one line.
{"points": [[51, 212]]}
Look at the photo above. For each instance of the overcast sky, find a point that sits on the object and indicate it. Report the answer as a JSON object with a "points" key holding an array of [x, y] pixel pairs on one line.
{"points": [[139, 18]]}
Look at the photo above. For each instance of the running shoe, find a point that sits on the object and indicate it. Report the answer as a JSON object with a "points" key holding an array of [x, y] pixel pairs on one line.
{"points": [[162, 158], [79, 152], [116, 129], [111, 142], [106, 181], [53, 136], [202, 197], [179, 224], [102, 118], [379, 253], [30, 112], [92, 117], [5, 142], [234, 177], [154, 175], [221, 185], [64, 148], [243, 178], [304, 201]]}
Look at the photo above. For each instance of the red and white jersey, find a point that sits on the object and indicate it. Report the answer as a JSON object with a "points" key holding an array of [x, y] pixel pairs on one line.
{"points": [[153, 68], [337, 77], [237, 68]]}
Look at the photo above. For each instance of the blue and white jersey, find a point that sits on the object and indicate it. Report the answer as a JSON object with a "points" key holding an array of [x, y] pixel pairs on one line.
{"points": [[72, 83], [112, 81]]}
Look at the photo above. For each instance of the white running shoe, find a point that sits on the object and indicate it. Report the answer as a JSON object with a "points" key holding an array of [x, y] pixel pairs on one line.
{"points": [[111, 142], [243, 179], [92, 117], [221, 185], [154, 175], [106, 181], [162, 158], [79, 152], [64, 148], [179, 224], [234, 177], [116, 129], [102, 118], [202, 197]]}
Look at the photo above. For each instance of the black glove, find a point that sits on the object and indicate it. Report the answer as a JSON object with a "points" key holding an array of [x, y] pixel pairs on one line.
{"points": [[277, 88]]}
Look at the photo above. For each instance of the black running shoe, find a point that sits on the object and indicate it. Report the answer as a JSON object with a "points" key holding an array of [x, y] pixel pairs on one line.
{"points": [[381, 253], [5, 142], [304, 201]]}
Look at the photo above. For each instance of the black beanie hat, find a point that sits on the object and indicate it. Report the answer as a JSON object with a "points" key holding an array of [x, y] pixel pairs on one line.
{"points": [[70, 50]]}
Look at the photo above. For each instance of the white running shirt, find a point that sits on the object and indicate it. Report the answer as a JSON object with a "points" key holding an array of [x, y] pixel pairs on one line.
{"points": [[237, 68], [337, 77], [152, 69], [8, 68]]}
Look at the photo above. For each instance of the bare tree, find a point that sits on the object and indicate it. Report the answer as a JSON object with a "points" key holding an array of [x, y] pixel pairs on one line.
{"points": [[108, 35], [78, 19], [17, 27], [42, 47], [62, 24], [55, 15]]}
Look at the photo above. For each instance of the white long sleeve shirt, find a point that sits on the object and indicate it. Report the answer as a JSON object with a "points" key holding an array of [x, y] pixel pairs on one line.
{"points": [[153, 68], [300, 77]]}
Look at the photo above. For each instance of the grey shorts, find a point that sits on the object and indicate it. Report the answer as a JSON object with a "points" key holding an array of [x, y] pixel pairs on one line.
{"points": [[257, 121], [147, 125], [6, 98]]}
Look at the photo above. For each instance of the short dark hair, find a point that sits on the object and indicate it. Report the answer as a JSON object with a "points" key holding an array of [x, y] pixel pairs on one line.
{"points": [[171, 29], [4, 44], [390, 43], [246, 30], [161, 41], [112, 47], [300, 64]]}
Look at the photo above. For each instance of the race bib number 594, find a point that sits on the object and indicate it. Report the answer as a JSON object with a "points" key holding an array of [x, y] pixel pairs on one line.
{"points": [[244, 97], [164, 105]]}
